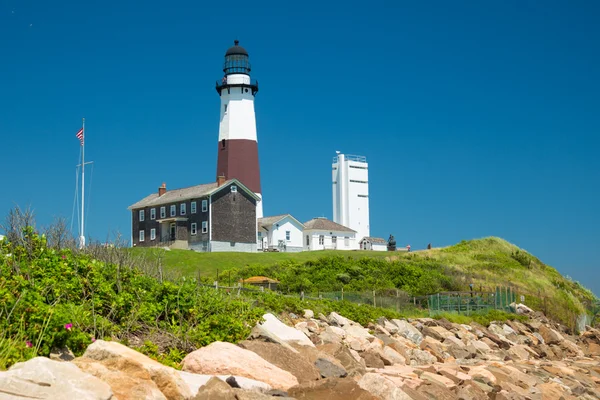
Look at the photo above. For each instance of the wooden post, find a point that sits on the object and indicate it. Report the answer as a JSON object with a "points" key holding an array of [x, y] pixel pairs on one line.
{"points": [[374, 303], [342, 293]]}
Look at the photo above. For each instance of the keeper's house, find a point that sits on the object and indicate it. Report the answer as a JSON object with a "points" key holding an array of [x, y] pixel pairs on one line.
{"points": [[219, 216]]}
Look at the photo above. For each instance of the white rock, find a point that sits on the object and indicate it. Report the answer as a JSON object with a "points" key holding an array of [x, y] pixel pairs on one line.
{"points": [[42, 378], [408, 331], [337, 331], [308, 314], [196, 381], [382, 387], [284, 333], [337, 319]]}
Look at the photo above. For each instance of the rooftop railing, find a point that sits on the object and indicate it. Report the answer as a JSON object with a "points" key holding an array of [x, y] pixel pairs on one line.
{"points": [[350, 157]]}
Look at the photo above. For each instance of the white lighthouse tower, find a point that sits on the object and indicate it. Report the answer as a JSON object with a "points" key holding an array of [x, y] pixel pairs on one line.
{"points": [[351, 193], [238, 145]]}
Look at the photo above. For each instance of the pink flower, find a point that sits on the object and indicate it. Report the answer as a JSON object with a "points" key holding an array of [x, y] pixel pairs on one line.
{"points": [[29, 344], [68, 326], [63, 257], [93, 340]]}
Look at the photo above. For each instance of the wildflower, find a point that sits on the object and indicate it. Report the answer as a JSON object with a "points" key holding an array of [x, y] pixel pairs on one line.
{"points": [[68, 326], [29, 344], [63, 257], [93, 339]]}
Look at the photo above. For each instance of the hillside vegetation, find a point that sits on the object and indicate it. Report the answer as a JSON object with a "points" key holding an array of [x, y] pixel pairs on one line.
{"points": [[485, 263]]}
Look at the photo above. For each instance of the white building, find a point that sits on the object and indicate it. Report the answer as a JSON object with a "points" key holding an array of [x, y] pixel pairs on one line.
{"points": [[323, 234], [280, 232], [351, 193], [373, 243]]}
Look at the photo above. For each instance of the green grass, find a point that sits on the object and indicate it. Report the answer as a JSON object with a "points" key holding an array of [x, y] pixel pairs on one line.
{"points": [[190, 263]]}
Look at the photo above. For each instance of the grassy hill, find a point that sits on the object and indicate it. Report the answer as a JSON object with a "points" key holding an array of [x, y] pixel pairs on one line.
{"points": [[486, 263]]}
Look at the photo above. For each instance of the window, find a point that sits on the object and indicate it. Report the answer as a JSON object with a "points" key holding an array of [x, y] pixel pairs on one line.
{"points": [[152, 234], [334, 239], [194, 229], [347, 241], [153, 213], [204, 226], [321, 239], [363, 195], [307, 240], [193, 207], [288, 234], [142, 234], [182, 209], [163, 212], [357, 167], [259, 234], [142, 215], [204, 205], [233, 189], [355, 181], [173, 210], [225, 108], [223, 143]]}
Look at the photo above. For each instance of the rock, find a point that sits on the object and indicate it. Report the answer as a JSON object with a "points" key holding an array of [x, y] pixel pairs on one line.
{"points": [[309, 314], [438, 379], [372, 359], [166, 378], [330, 389], [522, 309], [349, 361], [215, 389], [435, 347], [127, 378], [408, 331], [196, 381], [571, 348], [241, 394], [519, 352], [420, 357], [550, 335], [437, 332], [302, 326], [220, 358], [357, 332], [281, 333], [471, 391], [62, 354], [337, 320], [391, 327], [382, 387], [312, 326], [328, 369], [330, 337], [42, 378], [336, 331], [283, 358], [393, 356]]}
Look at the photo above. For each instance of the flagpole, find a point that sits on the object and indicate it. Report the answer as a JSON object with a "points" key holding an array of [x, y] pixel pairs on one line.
{"points": [[82, 237]]}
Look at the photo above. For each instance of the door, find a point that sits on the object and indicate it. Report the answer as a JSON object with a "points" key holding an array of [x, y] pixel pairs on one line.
{"points": [[172, 231]]}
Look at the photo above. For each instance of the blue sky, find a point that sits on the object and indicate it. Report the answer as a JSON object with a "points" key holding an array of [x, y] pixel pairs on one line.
{"points": [[477, 118]]}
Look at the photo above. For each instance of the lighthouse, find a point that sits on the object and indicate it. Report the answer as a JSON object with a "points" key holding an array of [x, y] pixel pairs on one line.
{"points": [[238, 145]]}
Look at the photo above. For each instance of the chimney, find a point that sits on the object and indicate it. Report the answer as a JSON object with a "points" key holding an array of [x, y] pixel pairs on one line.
{"points": [[220, 180], [162, 189]]}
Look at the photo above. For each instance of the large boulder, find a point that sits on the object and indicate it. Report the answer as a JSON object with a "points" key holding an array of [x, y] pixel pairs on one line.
{"points": [[166, 378], [337, 320], [437, 332], [382, 386], [127, 378], [550, 335], [283, 358], [221, 358], [408, 331], [275, 330], [215, 389], [330, 389], [42, 378]]}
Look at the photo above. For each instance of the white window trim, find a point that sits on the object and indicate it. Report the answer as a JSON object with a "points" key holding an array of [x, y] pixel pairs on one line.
{"points": [[152, 214], [204, 205], [193, 207], [153, 234], [173, 210], [142, 215], [194, 229], [141, 236], [163, 212], [288, 236], [182, 209], [204, 226], [321, 240]]}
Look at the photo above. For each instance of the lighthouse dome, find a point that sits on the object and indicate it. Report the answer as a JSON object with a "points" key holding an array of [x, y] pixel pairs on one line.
{"points": [[236, 49]]}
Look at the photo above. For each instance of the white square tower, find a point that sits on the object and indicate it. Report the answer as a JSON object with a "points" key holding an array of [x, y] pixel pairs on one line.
{"points": [[351, 193]]}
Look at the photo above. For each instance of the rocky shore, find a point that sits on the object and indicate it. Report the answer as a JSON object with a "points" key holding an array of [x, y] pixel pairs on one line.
{"points": [[331, 357]]}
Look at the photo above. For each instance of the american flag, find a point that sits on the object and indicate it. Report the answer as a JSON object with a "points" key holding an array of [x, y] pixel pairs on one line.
{"points": [[80, 136]]}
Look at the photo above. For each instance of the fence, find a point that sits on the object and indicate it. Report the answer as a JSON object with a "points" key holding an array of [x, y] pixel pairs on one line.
{"points": [[467, 302]]}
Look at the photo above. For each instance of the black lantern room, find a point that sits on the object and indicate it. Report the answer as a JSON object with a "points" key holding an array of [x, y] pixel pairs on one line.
{"points": [[236, 60]]}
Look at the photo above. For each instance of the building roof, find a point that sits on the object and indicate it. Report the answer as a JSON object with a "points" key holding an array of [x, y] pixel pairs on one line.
{"points": [[191, 192], [375, 240], [270, 221], [236, 49], [323, 224], [260, 279]]}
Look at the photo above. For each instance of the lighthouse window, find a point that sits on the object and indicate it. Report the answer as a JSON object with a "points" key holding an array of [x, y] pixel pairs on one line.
{"points": [[223, 143], [233, 189], [225, 108]]}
